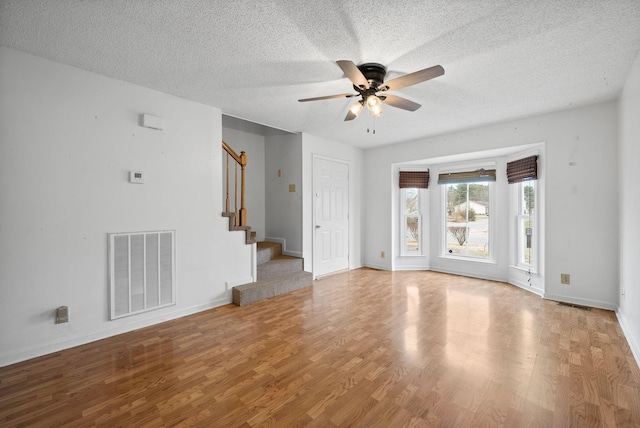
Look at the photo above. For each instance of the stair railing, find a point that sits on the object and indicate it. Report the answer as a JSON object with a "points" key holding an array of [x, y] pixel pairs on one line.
{"points": [[241, 160]]}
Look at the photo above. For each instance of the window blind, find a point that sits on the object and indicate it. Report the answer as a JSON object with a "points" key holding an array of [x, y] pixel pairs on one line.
{"points": [[419, 179], [522, 169], [480, 175]]}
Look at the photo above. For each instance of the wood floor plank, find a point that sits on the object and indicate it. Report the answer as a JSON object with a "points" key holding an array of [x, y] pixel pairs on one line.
{"points": [[362, 348]]}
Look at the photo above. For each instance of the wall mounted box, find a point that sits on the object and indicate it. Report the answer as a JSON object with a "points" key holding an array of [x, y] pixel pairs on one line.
{"points": [[136, 177], [153, 122]]}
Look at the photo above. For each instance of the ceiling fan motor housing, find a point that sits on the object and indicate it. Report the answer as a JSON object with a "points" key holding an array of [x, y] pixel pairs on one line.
{"points": [[374, 73]]}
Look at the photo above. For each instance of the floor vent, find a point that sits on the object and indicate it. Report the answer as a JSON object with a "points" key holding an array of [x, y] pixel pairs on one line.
{"points": [[573, 305], [141, 272]]}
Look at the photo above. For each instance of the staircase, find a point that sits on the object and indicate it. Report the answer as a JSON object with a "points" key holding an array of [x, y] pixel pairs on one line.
{"points": [[277, 274]]}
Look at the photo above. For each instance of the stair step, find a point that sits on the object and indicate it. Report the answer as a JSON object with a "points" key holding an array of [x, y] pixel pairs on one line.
{"points": [[265, 289], [267, 251], [279, 266]]}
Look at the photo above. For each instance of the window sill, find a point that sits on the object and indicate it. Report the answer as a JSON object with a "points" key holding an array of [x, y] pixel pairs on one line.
{"points": [[524, 269], [468, 259]]}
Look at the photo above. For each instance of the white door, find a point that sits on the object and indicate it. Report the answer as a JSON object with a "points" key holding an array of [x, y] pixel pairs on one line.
{"points": [[331, 225]]}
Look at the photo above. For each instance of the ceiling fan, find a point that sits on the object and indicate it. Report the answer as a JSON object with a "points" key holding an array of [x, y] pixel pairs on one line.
{"points": [[368, 81]]}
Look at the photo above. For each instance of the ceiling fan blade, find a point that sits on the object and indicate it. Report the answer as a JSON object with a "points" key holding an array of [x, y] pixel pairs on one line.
{"points": [[350, 116], [412, 78], [399, 102], [328, 97], [354, 74]]}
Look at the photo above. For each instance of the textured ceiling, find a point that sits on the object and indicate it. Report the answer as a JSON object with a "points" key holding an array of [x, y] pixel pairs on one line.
{"points": [[254, 59]]}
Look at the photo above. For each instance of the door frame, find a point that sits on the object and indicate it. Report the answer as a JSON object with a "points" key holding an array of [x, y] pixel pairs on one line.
{"points": [[314, 253]]}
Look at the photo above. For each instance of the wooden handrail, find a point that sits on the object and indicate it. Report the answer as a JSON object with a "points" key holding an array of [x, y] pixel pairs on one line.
{"points": [[241, 159], [237, 157]]}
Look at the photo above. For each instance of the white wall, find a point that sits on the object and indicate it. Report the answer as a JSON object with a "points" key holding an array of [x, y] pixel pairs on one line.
{"points": [[316, 146], [67, 141], [245, 136], [283, 209], [579, 239], [629, 173]]}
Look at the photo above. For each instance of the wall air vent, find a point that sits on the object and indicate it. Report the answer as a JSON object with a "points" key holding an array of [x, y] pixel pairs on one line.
{"points": [[573, 305], [141, 272]]}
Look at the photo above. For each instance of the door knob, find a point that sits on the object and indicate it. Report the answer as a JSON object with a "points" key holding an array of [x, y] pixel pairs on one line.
{"points": [[318, 226]]}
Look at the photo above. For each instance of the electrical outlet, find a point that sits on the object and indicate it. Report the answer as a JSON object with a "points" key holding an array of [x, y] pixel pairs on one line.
{"points": [[62, 315], [382, 254], [565, 278]]}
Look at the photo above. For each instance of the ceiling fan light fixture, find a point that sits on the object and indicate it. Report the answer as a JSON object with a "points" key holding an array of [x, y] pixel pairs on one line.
{"points": [[373, 101], [374, 104], [375, 111], [357, 107]]}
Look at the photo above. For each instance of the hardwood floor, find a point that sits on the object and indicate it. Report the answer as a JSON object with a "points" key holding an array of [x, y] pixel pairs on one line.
{"points": [[363, 348]]}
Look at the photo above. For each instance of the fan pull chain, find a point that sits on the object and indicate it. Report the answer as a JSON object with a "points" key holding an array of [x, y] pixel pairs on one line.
{"points": [[373, 127]]}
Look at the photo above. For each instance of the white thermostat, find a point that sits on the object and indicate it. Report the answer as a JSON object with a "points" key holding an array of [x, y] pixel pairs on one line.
{"points": [[136, 177]]}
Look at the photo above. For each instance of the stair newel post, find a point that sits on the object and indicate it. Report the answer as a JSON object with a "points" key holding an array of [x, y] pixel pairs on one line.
{"points": [[235, 200], [243, 209]]}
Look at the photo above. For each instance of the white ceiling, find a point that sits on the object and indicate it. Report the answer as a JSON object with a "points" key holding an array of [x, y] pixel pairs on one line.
{"points": [[253, 59]]}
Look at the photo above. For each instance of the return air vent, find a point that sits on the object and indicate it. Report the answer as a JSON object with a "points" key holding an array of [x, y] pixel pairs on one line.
{"points": [[141, 272], [573, 305]]}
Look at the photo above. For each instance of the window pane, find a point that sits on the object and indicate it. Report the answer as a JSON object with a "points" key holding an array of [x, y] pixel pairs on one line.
{"points": [[412, 234], [529, 197], [526, 217], [524, 250], [411, 222], [467, 207], [411, 201]]}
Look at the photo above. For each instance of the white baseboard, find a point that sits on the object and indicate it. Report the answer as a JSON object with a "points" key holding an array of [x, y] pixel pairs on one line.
{"points": [[469, 275], [230, 284], [24, 354], [377, 266], [283, 242], [583, 302], [412, 268], [628, 334], [527, 287]]}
